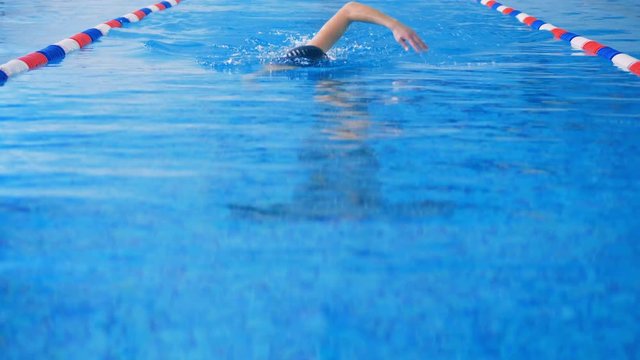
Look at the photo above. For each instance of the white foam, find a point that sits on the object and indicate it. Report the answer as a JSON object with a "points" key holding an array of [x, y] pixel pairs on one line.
{"points": [[483, 2], [501, 8], [153, 8], [172, 2], [522, 16]]}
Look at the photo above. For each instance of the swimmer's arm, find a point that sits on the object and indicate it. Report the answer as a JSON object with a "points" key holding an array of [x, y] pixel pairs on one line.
{"points": [[333, 30]]}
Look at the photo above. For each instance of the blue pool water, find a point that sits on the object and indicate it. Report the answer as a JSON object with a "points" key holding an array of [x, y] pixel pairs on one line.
{"points": [[479, 201]]}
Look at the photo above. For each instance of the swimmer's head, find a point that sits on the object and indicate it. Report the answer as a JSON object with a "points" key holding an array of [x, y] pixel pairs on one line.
{"points": [[307, 55]]}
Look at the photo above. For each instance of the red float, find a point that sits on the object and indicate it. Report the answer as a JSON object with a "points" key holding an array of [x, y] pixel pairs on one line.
{"points": [[82, 39], [592, 47], [114, 23], [34, 60], [557, 32], [140, 14]]}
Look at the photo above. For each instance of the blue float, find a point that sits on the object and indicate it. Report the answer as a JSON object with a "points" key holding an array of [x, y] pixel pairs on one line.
{"points": [[54, 53], [95, 34], [568, 36], [608, 53], [537, 24]]}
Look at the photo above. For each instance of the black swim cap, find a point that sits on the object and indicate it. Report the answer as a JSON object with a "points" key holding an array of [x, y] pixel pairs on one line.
{"points": [[307, 55]]}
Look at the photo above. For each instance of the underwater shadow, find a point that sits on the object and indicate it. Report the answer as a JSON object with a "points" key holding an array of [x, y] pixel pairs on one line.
{"points": [[342, 164]]}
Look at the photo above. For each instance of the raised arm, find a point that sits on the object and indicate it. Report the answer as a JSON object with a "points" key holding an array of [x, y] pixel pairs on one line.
{"points": [[333, 29]]}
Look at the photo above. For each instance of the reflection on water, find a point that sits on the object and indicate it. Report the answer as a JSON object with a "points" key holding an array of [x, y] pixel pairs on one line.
{"points": [[342, 164]]}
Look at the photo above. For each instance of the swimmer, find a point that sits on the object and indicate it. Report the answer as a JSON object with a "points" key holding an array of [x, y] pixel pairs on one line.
{"points": [[315, 51]]}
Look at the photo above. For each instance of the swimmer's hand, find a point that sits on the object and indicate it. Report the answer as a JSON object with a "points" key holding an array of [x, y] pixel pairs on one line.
{"points": [[406, 36]]}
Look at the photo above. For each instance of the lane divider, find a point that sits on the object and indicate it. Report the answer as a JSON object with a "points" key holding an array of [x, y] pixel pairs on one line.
{"points": [[57, 52], [592, 47]]}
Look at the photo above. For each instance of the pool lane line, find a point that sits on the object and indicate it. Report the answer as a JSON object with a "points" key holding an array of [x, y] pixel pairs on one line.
{"points": [[592, 47], [57, 52]]}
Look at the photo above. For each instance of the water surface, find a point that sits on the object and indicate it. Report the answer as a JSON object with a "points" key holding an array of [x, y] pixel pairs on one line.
{"points": [[477, 201]]}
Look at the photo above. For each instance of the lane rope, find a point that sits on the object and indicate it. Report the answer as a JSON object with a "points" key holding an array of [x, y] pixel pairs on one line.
{"points": [[623, 61], [57, 52]]}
